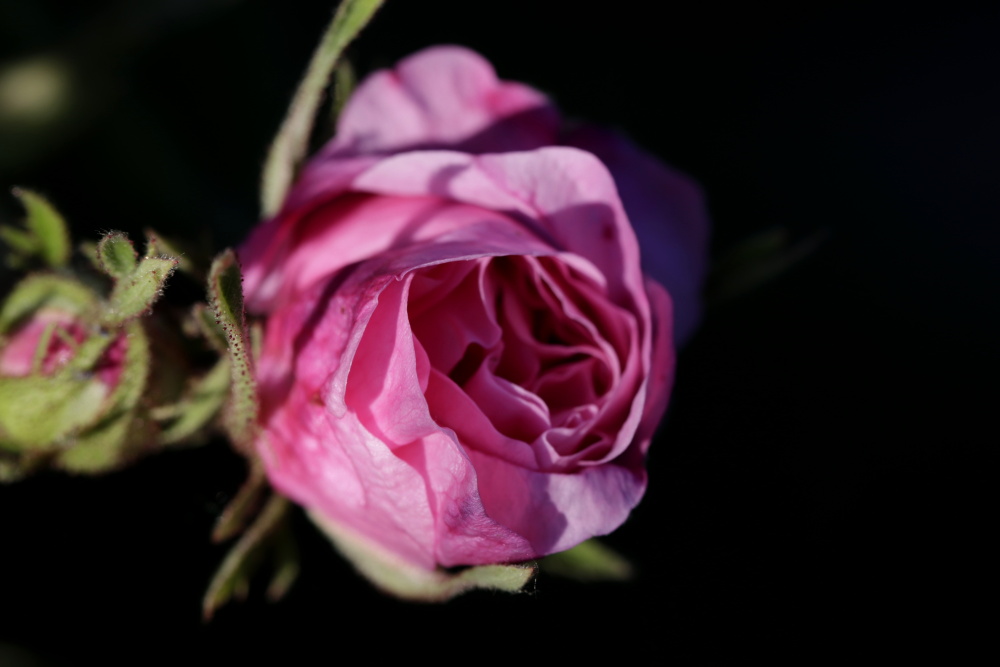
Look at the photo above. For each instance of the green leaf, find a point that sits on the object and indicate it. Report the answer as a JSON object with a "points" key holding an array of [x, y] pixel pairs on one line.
{"points": [[290, 144], [117, 255], [225, 293], [232, 577], [21, 242], [133, 295], [38, 411], [344, 82], [589, 561], [398, 577], [756, 261], [47, 226], [45, 291]]}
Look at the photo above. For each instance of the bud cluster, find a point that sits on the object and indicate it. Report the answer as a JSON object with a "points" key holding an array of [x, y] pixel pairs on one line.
{"points": [[87, 384]]}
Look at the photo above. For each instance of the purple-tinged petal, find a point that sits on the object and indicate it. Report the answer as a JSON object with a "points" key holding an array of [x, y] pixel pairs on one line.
{"points": [[668, 213], [557, 511]]}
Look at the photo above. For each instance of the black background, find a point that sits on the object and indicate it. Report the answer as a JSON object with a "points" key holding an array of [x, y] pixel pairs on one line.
{"points": [[818, 469]]}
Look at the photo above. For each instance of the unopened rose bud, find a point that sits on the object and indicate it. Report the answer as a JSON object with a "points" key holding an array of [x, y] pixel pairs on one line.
{"points": [[70, 387]]}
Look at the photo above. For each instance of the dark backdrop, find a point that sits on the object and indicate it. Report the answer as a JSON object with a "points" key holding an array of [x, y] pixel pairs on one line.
{"points": [[818, 467]]}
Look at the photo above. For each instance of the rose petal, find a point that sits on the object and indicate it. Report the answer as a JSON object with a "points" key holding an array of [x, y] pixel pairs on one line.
{"points": [[451, 310], [661, 370], [453, 408], [366, 226], [334, 466], [564, 194], [384, 388], [17, 354], [668, 213], [263, 254], [557, 511], [443, 97]]}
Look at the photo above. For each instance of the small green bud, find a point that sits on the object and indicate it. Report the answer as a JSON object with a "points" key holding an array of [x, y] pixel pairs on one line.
{"points": [[134, 294], [117, 255]]}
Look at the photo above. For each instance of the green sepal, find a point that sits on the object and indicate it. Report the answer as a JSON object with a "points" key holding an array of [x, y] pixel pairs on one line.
{"points": [[285, 552], [241, 508], [102, 448], [158, 246], [267, 536], [40, 291], [289, 146], [42, 348], [116, 255], [88, 353], [589, 561], [123, 431], [395, 576], [135, 368], [36, 411], [46, 227], [225, 293], [199, 408], [134, 295]]}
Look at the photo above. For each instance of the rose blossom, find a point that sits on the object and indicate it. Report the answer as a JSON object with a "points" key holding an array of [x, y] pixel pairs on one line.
{"points": [[463, 362]]}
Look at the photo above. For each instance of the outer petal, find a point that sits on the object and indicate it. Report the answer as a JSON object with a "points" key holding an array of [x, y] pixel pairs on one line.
{"points": [[558, 511], [668, 212], [351, 229], [263, 255], [336, 468], [443, 97], [661, 369]]}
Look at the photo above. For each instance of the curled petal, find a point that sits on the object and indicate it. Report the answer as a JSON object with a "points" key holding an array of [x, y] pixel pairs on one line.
{"points": [[668, 213], [445, 96]]}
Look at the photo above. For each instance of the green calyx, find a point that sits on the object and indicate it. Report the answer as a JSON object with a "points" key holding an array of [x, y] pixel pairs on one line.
{"points": [[79, 407]]}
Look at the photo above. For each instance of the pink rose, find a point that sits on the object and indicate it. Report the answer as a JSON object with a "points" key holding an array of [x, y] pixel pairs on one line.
{"points": [[463, 362]]}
